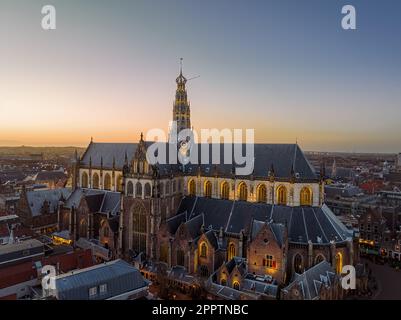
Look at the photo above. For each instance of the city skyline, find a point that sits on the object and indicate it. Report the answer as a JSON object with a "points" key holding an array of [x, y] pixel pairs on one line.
{"points": [[108, 72]]}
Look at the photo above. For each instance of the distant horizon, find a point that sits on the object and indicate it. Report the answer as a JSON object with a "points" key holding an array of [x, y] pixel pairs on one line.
{"points": [[304, 150]]}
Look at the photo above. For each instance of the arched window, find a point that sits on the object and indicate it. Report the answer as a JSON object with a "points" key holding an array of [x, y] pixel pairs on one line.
{"points": [[207, 189], [261, 193], [107, 182], [148, 190], [225, 190], [191, 187], [242, 191], [306, 196], [339, 262], [66, 220], [164, 253], [119, 183], [180, 258], [161, 189], [167, 188], [231, 251], [236, 285], [95, 181], [282, 195], [106, 231], [298, 265], [203, 250], [139, 227], [138, 190], [83, 228], [174, 186], [319, 258], [204, 271], [130, 188], [84, 180], [223, 282]]}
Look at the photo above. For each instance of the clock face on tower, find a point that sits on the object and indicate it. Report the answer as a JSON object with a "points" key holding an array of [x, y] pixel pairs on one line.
{"points": [[184, 151]]}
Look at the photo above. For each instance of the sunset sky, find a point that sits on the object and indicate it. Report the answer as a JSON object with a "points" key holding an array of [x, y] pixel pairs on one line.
{"points": [[285, 68]]}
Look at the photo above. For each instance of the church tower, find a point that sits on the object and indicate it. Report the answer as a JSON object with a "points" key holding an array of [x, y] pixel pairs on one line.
{"points": [[181, 109]]}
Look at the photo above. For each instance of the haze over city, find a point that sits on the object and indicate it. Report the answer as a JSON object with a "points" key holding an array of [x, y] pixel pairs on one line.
{"points": [[285, 69]]}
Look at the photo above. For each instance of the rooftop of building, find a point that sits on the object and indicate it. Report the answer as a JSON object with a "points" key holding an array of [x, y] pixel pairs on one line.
{"points": [[316, 224]]}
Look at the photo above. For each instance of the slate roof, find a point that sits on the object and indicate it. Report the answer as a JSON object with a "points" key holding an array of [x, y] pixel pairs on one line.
{"points": [[345, 191], [37, 198], [259, 287], [102, 201], [317, 224], [108, 151], [236, 261], [20, 250], [277, 229], [50, 175], [313, 279], [282, 157], [119, 276]]}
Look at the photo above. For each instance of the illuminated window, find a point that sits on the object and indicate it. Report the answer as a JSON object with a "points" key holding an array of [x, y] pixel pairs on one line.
{"points": [[223, 282], [203, 250], [84, 180], [231, 251], [242, 192], [107, 182], [105, 231], [225, 190], [95, 181], [191, 188], [306, 196], [269, 262], [261, 193], [120, 183], [282, 195], [339, 262], [208, 189], [236, 285]]}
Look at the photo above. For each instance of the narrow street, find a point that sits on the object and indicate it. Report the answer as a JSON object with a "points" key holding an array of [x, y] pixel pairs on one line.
{"points": [[388, 281]]}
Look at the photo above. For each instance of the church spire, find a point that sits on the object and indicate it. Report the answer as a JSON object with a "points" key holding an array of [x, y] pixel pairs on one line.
{"points": [[181, 107]]}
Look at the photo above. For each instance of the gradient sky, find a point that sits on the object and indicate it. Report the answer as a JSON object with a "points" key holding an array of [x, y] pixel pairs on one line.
{"points": [[285, 68]]}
